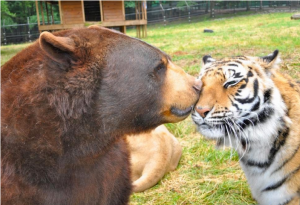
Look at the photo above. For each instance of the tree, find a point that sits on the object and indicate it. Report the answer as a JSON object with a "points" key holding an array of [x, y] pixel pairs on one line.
{"points": [[129, 4], [6, 14], [20, 9]]}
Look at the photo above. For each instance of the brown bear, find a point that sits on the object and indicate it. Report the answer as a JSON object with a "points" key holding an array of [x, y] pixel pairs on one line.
{"points": [[68, 99]]}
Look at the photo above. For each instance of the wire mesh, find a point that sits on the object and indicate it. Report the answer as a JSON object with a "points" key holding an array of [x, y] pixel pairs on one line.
{"points": [[161, 13]]}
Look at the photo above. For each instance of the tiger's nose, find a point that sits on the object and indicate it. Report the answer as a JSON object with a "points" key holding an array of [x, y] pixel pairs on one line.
{"points": [[203, 111]]}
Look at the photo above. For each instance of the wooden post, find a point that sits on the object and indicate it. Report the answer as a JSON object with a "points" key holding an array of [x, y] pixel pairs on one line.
{"points": [[124, 18], [47, 11], [60, 12], [83, 13], [143, 30], [143, 10], [123, 9], [138, 31], [37, 13], [136, 12], [101, 11], [140, 6], [42, 12], [52, 14], [146, 10], [123, 29]]}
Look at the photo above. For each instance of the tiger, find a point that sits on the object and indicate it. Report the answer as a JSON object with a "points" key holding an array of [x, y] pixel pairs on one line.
{"points": [[248, 105]]}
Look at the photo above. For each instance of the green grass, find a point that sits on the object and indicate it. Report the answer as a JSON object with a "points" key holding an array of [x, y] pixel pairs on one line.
{"points": [[7, 52], [205, 175], [258, 34]]}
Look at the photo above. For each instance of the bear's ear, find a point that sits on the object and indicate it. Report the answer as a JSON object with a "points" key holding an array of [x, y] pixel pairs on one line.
{"points": [[207, 59], [56, 47], [270, 61]]}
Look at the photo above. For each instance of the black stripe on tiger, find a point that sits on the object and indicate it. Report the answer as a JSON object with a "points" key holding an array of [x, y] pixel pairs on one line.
{"points": [[261, 117], [250, 100], [286, 202], [235, 105], [281, 182], [231, 64], [249, 74], [278, 143], [287, 160], [256, 106], [267, 95]]}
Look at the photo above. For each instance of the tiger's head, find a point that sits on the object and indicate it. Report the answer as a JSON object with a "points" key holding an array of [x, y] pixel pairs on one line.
{"points": [[237, 94]]}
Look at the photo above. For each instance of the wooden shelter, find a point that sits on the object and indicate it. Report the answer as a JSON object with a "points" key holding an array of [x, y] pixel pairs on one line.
{"points": [[85, 13]]}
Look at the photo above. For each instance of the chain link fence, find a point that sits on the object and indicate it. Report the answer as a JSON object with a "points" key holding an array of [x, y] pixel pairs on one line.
{"points": [[164, 14]]}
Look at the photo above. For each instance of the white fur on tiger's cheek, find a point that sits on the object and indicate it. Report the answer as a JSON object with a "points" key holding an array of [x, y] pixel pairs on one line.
{"points": [[210, 133], [206, 130]]}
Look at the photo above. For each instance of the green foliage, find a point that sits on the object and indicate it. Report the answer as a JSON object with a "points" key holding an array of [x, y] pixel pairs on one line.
{"points": [[129, 4], [6, 14], [17, 12], [185, 3], [21, 9]]}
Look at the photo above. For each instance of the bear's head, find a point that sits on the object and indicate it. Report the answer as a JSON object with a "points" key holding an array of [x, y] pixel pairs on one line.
{"points": [[131, 85]]}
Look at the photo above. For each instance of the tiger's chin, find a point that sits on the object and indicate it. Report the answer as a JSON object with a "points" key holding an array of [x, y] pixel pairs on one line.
{"points": [[210, 132]]}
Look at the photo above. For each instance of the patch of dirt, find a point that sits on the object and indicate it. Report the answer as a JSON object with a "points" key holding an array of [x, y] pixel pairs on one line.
{"points": [[179, 53]]}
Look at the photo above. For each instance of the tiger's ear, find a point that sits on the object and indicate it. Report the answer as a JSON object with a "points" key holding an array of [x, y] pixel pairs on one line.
{"points": [[271, 61], [207, 59], [56, 47]]}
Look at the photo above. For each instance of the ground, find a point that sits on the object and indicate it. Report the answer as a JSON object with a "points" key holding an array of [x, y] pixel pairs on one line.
{"points": [[207, 176]]}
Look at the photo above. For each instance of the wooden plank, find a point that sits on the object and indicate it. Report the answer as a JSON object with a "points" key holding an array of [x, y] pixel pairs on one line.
{"points": [[60, 12], [67, 7], [60, 26], [146, 17], [43, 20], [123, 12], [144, 10], [109, 18], [124, 23], [112, 13], [136, 13], [37, 12], [114, 17], [117, 7], [112, 4], [101, 11], [46, 5], [52, 14], [72, 12], [123, 29]]}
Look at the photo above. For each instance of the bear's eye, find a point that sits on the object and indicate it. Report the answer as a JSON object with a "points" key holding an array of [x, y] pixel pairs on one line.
{"points": [[160, 67]]}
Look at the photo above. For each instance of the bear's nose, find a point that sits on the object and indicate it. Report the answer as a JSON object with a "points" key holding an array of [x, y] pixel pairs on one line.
{"points": [[203, 111], [198, 85]]}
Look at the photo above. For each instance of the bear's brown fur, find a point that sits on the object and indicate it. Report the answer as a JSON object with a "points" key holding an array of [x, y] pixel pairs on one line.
{"points": [[66, 102]]}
